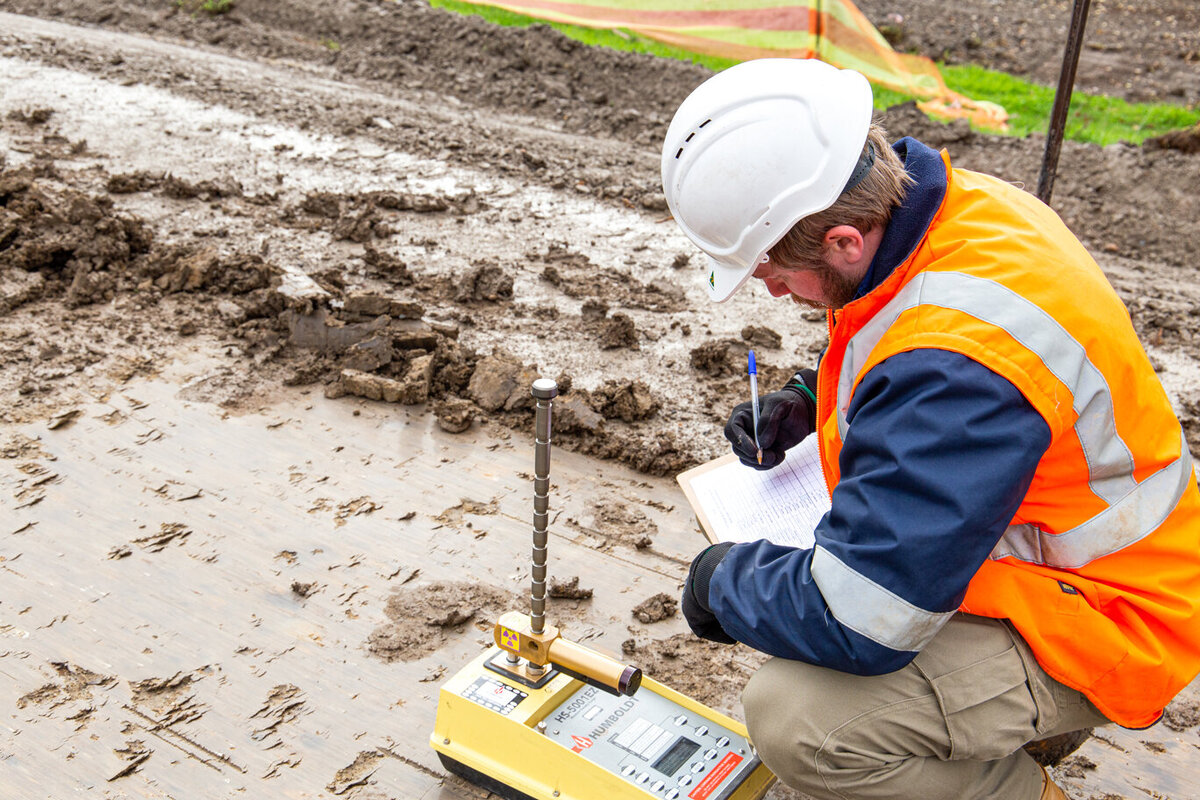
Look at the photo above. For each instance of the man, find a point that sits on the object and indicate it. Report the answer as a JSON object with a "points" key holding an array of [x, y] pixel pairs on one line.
{"points": [[1013, 547]]}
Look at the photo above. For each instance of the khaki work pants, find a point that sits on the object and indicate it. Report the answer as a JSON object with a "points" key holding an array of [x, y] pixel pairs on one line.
{"points": [[950, 725]]}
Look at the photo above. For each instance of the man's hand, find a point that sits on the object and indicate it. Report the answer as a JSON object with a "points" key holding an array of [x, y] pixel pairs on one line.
{"points": [[695, 595], [785, 418]]}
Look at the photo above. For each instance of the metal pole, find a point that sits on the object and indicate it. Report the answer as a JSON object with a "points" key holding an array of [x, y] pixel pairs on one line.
{"points": [[1062, 100], [544, 390]]}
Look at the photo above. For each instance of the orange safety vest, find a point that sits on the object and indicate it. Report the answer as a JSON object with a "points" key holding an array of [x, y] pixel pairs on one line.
{"points": [[1100, 568]]}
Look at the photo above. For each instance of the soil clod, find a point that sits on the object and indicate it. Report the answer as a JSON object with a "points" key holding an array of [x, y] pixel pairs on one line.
{"points": [[656, 608]]}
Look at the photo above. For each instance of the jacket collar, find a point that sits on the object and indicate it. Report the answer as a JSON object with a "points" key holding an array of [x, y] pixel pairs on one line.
{"points": [[911, 219]]}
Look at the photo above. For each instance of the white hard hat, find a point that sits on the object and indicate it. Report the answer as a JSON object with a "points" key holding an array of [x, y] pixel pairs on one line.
{"points": [[755, 149]]}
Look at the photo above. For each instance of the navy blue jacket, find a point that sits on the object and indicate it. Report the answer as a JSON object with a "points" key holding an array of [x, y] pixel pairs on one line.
{"points": [[937, 457]]}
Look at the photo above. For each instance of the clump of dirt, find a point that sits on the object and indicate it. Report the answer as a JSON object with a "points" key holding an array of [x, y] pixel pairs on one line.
{"points": [[387, 267], [762, 336], [629, 401], [304, 589], [500, 382], [62, 243], [369, 216], [568, 589], [322, 204], [619, 332], [454, 414], [32, 117], [576, 276], [655, 453], [133, 182], [719, 357], [486, 282], [709, 672], [400, 360], [656, 608], [422, 617], [213, 189], [187, 269], [1185, 141], [149, 690], [1181, 715], [593, 310]]}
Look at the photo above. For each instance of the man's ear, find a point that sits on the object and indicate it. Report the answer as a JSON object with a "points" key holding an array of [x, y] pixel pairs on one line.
{"points": [[844, 243]]}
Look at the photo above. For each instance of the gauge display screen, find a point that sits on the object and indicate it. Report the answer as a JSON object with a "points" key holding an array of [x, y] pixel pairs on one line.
{"points": [[677, 756]]}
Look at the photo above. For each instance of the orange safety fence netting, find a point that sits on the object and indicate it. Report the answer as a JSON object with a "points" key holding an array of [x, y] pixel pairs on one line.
{"points": [[834, 31]]}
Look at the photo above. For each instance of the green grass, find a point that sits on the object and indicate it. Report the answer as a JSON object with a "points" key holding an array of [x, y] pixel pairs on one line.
{"points": [[1092, 118], [211, 7]]}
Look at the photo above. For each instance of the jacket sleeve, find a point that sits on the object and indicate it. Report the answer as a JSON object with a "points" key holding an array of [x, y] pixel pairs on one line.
{"points": [[938, 455]]}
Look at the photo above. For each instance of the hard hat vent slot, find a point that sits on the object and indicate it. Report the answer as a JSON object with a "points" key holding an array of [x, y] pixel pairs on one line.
{"points": [[690, 136]]}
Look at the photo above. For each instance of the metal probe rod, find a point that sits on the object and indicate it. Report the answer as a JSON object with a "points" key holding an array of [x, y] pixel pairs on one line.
{"points": [[1062, 100], [544, 390], [532, 650]]}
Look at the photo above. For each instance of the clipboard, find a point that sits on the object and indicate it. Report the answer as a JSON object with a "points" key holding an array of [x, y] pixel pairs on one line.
{"points": [[736, 503]]}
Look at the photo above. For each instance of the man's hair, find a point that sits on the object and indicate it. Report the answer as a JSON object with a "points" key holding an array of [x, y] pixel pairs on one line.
{"points": [[868, 204]]}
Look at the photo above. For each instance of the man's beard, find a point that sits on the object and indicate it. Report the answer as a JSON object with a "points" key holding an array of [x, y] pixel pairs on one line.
{"points": [[839, 289]]}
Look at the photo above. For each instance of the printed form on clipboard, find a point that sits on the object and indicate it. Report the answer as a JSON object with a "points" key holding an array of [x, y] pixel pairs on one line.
{"points": [[736, 503]]}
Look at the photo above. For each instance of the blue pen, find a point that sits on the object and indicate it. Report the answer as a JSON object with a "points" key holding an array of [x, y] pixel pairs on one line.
{"points": [[754, 402]]}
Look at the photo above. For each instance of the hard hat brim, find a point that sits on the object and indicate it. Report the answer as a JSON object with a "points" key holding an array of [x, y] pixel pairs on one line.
{"points": [[725, 279]]}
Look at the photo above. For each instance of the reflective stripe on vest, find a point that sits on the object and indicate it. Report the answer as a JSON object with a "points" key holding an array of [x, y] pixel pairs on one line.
{"points": [[867, 608], [1110, 464], [1127, 521], [1135, 510]]}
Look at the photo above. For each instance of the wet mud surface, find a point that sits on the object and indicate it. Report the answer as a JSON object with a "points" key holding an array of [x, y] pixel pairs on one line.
{"points": [[420, 618], [381, 203]]}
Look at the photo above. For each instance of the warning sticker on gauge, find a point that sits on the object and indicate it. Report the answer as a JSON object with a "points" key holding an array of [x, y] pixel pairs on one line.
{"points": [[713, 779]]}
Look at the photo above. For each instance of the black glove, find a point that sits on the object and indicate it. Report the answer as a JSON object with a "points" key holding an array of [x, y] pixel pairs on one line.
{"points": [[784, 419], [695, 595]]}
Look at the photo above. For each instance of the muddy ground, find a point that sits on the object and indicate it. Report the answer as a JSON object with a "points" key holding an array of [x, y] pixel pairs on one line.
{"points": [[378, 210]]}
